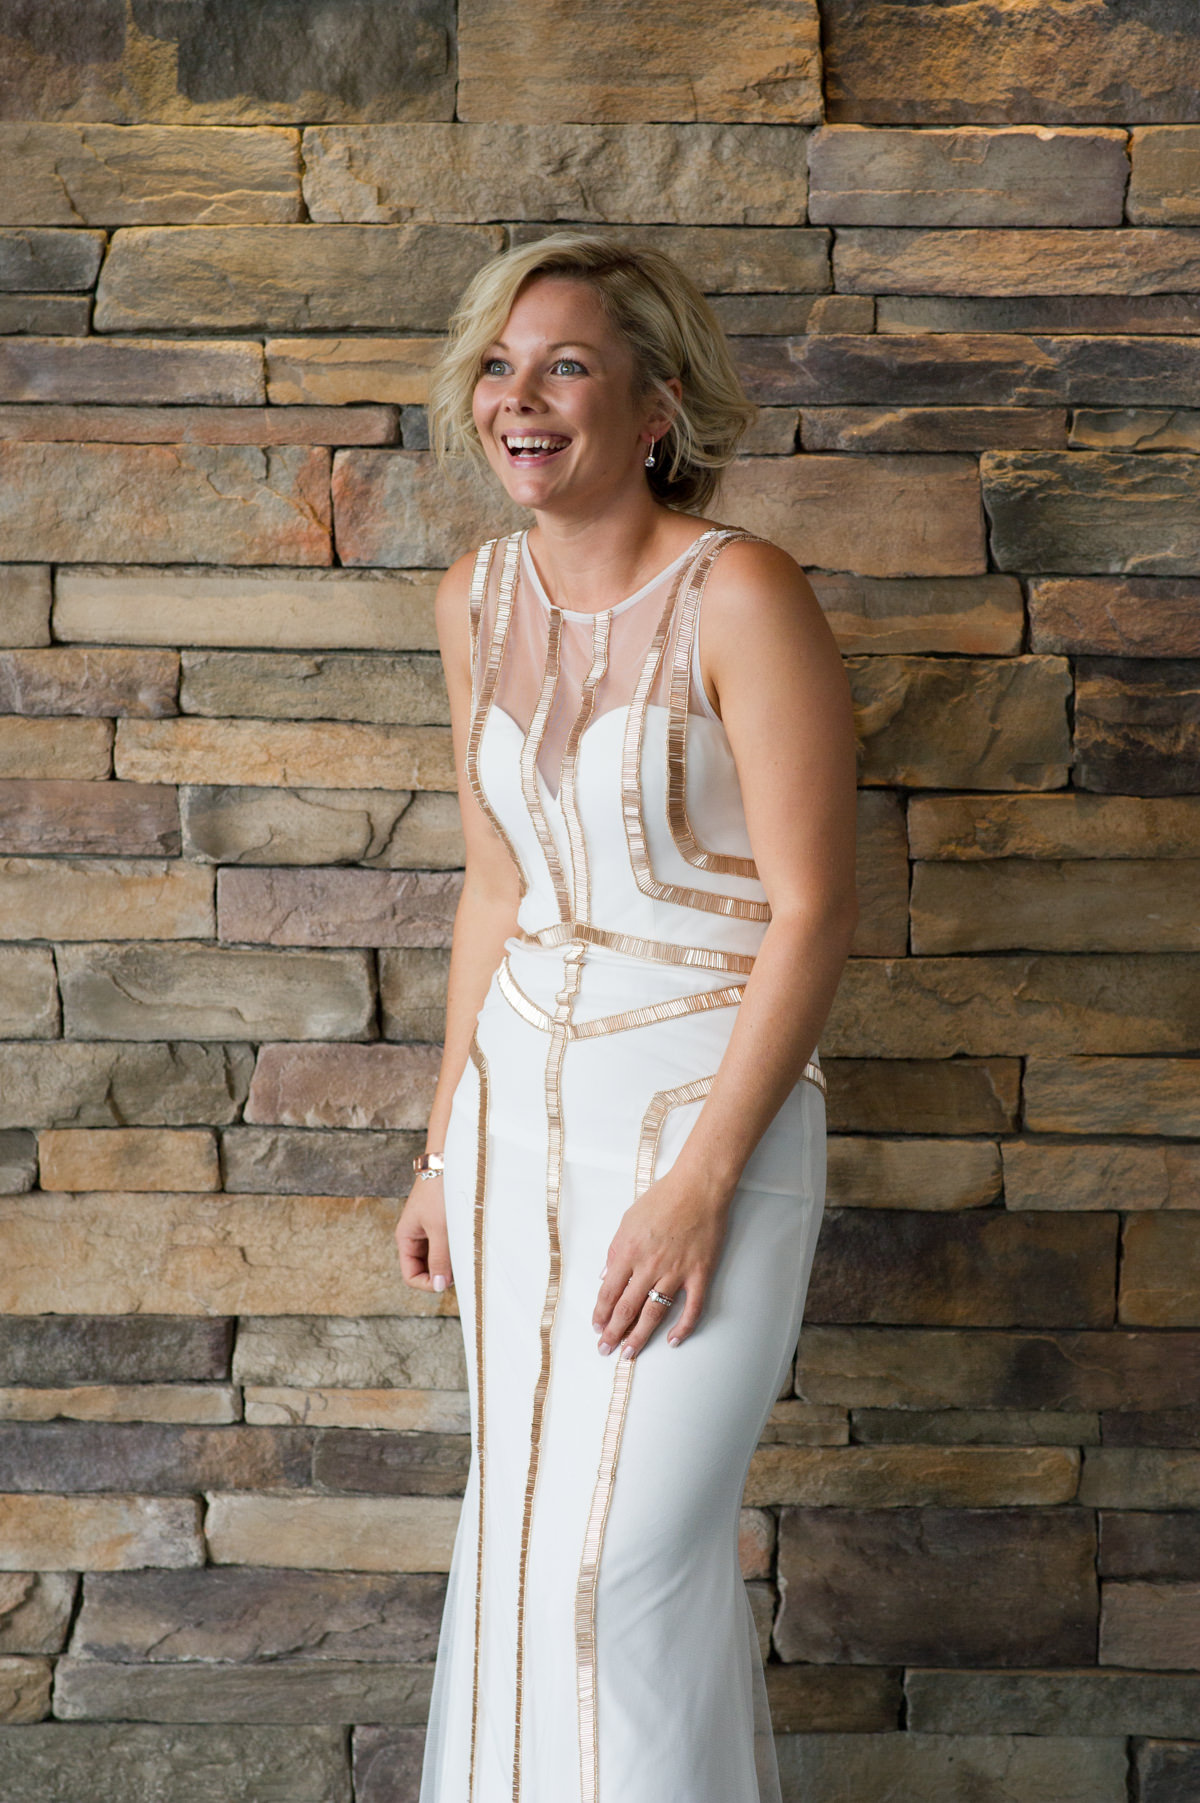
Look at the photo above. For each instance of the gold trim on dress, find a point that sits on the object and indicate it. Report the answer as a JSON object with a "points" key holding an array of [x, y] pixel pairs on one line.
{"points": [[672, 1009], [481, 1066], [566, 774], [658, 951], [530, 747], [487, 687]]}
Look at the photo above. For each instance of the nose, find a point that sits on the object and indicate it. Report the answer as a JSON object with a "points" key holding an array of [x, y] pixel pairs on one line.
{"points": [[521, 392]]}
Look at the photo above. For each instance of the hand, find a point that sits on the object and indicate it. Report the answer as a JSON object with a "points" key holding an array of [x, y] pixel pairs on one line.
{"points": [[669, 1239], [421, 1237]]}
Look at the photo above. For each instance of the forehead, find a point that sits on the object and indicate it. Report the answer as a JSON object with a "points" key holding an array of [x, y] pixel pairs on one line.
{"points": [[553, 309]]}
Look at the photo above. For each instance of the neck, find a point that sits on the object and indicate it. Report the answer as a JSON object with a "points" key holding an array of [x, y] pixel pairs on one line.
{"points": [[588, 555]]}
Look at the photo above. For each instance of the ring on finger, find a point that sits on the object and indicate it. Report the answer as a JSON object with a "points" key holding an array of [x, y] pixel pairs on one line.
{"points": [[657, 1296]]}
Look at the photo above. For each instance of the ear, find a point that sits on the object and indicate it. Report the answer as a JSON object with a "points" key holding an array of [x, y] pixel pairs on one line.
{"points": [[661, 416]]}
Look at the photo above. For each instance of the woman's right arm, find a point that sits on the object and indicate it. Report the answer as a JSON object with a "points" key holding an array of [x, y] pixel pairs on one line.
{"points": [[486, 916]]}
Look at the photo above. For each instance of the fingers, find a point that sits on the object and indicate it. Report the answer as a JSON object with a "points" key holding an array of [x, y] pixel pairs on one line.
{"points": [[424, 1250], [635, 1316]]}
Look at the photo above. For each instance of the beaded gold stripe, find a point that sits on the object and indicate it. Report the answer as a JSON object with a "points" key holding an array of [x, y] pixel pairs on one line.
{"points": [[480, 576], [672, 1009], [491, 673], [481, 1066], [529, 756], [658, 951], [566, 778]]}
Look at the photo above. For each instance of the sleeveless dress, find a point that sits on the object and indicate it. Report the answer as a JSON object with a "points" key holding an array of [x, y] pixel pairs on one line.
{"points": [[597, 1643]]}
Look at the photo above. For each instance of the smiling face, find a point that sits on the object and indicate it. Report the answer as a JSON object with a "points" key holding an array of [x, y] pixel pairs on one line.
{"points": [[555, 403]]}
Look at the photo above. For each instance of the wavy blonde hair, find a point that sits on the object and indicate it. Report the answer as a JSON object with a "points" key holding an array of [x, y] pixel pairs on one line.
{"points": [[670, 328]]}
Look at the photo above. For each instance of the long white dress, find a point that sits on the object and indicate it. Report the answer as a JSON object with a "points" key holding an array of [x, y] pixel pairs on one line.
{"points": [[597, 1644]]}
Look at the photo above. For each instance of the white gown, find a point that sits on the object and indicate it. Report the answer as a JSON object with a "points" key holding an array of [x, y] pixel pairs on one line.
{"points": [[597, 1643]]}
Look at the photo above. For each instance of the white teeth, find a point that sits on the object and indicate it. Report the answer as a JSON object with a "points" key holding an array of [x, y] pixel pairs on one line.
{"points": [[525, 443]]}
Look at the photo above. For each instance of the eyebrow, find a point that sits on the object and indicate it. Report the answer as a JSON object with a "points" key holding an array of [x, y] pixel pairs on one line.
{"points": [[578, 344]]}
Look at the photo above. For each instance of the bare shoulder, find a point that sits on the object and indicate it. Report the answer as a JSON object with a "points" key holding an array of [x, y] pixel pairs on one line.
{"points": [[757, 588]]}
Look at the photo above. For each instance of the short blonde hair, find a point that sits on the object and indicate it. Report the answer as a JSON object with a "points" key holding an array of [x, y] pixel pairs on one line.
{"points": [[670, 328]]}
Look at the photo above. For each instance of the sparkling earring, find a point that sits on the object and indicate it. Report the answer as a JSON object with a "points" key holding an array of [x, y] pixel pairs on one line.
{"points": [[650, 458]]}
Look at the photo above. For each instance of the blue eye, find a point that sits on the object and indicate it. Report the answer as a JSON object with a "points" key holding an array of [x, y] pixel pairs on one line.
{"points": [[571, 362], [492, 365]]}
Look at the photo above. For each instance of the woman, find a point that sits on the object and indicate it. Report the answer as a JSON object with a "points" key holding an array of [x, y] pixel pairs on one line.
{"points": [[658, 902]]}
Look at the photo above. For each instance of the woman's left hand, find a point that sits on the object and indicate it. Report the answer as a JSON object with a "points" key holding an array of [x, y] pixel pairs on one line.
{"points": [[669, 1240]]}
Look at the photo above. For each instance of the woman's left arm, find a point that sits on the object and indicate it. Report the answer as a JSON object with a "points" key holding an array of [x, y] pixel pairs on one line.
{"points": [[784, 700]]}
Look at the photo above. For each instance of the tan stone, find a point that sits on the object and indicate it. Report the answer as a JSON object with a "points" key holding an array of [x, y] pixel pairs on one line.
{"points": [[979, 614], [874, 1477], [793, 1423], [190, 1403], [24, 1689], [756, 1542], [35, 1610], [932, 428], [1002, 722], [1100, 1175], [98, 1533], [133, 1158], [1054, 826], [28, 993], [1152, 1626], [1160, 1273], [878, 516], [110, 1084], [914, 1095], [336, 907], [1099, 314], [1165, 175], [395, 1411], [24, 604], [147, 175], [322, 754], [337, 371], [691, 174], [1045, 1003], [396, 508], [1022, 175], [201, 425], [55, 748], [66, 680], [77, 898], [1115, 616], [1131, 260], [912, 1173], [41, 258], [287, 278], [207, 503], [145, 371], [328, 1533], [392, 830], [1139, 1477], [392, 688], [343, 1086], [949, 1768], [362, 1353], [412, 993], [367, 609], [1135, 429], [762, 267], [882, 876], [1051, 904], [1112, 1095], [772, 433]]}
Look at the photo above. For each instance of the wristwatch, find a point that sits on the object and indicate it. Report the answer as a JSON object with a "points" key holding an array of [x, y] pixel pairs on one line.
{"points": [[428, 1164]]}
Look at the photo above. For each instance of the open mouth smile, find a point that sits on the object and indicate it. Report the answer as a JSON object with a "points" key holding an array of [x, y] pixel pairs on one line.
{"points": [[533, 447]]}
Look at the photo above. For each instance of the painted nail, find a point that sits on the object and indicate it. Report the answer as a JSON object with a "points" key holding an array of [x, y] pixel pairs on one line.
{"points": [[605, 1348], [672, 1339], [627, 1352], [439, 1283]]}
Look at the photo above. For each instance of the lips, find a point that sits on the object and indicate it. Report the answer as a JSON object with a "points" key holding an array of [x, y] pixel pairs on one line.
{"points": [[533, 447]]}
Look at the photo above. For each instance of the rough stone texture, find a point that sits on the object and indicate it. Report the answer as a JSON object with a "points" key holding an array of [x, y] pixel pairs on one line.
{"points": [[336, 907], [882, 876], [112, 1084], [1157, 1626], [79, 1349], [1167, 1772], [986, 1269], [353, 1354], [1053, 826], [49, 259], [65, 749], [911, 1095], [35, 1610], [1103, 1175], [1093, 511], [1023, 176], [1136, 1477], [134, 1158], [931, 428], [814, 1699], [1002, 721], [71, 681], [382, 1464], [125, 1762], [288, 278], [1087, 1703], [1135, 429], [1112, 1095], [1137, 725], [1080, 904], [396, 1411], [131, 371], [910, 1476], [98, 1533], [391, 509], [319, 1533], [387, 1763], [1100, 314], [24, 1689], [762, 267], [1152, 1427], [343, 1086], [271, 1161], [190, 1403], [153, 1458], [311, 609], [976, 1427], [331, 754], [912, 1173], [208, 503], [66, 313], [282, 1690], [1044, 1002], [201, 425], [1150, 1545], [975, 1768], [217, 992], [1164, 175], [336, 371], [18, 1162], [390, 830], [28, 995], [387, 688], [152, 175], [103, 819], [1160, 1273], [412, 994], [125, 898], [1140, 260], [694, 174], [792, 1423], [24, 604], [1132, 616], [965, 1586], [752, 313]]}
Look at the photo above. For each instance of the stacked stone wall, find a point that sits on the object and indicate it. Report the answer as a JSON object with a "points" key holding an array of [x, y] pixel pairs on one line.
{"points": [[956, 248]]}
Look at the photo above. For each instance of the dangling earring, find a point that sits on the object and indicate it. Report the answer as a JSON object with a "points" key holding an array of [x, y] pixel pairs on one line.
{"points": [[650, 458]]}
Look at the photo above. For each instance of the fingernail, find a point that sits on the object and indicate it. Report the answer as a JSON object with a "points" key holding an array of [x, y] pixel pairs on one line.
{"points": [[627, 1352], [604, 1273], [439, 1283], [604, 1347], [672, 1339]]}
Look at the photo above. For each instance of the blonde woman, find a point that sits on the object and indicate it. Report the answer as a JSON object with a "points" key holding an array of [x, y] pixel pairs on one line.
{"points": [[625, 1167]]}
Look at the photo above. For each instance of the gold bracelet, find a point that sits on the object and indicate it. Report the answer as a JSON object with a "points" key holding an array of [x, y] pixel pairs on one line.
{"points": [[428, 1164]]}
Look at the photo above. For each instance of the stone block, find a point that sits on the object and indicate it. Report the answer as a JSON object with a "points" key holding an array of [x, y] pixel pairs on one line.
{"points": [[1165, 174], [98, 1533], [756, 1542], [18, 1162], [1100, 1174], [62, 749], [1024, 175], [1053, 63], [1101, 314], [1156, 1626], [861, 513], [1080, 1702], [28, 994], [793, 1423], [772, 432], [127, 898], [127, 1762], [24, 604], [35, 1610], [134, 1158], [790, 263], [332, 754], [1092, 512], [1056, 905], [143, 991], [1137, 725], [137, 1349], [37, 424], [223, 1614], [987, 1269], [137, 819], [67, 680], [392, 830], [190, 1403], [45, 313], [150, 175], [1053, 826], [1160, 1273], [1135, 429], [882, 876], [281, 1690], [965, 1586], [1122, 616], [412, 994], [333, 1533], [998, 261], [389, 1464], [334, 372], [391, 1411], [288, 278], [690, 174], [1140, 1477], [915, 1095], [272, 1161], [976, 1427], [395, 508], [815, 1699], [351, 1354], [1152, 1427], [24, 1689], [199, 1254], [387, 1764], [307, 608], [1040, 1002], [900, 1476], [131, 371], [976, 1369], [787, 313], [1167, 1771], [108, 1085], [152, 1458], [935, 1174], [936, 1768], [388, 688], [336, 907], [1002, 722], [1112, 1095], [43, 259], [1155, 1544], [932, 428], [377, 1086]]}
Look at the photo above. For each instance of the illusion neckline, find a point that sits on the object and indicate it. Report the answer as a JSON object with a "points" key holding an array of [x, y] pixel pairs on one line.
{"points": [[571, 613]]}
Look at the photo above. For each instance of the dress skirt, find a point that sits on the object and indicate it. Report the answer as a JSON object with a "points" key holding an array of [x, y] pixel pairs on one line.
{"points": [[597, 1644]]}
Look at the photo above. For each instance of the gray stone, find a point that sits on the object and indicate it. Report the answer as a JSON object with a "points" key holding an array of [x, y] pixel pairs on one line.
{"points": [[336, 907], [132, 372], [1093, 512], [383, 1464], [152, 1457], [1163, 178], [1089, 313], [35, 1610], [123, 1762], [1154, 1544], [936, 1768], [387, 1764], [724, 259], [379, 1352], [385, 687], [28, 998], [50, 313], [1140, 1477], [68, 679], [750, 314], [142, 991], [1130, 616], [117, 1084], [42, 816], [1084, 1702], [24, 604], [915, 1095], [35, 259], [374, 827], [18, 1162], [132, 1349], [931, 428], [412, 993], [975, 1427], [1167, 1771], [291, 1161], [1135, 429], [1137, 725], [983, 615], [414, 428]]}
